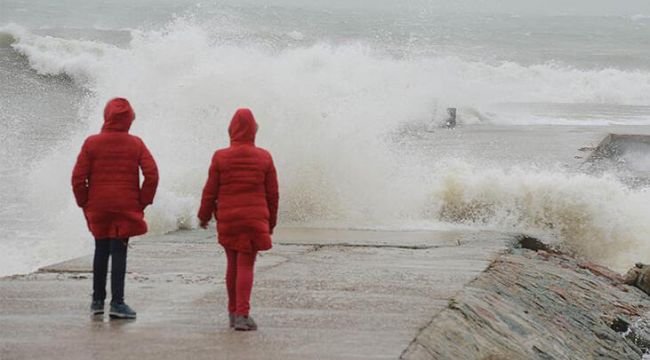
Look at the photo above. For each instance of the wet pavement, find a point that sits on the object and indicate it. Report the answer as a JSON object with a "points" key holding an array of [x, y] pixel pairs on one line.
{"points": [[318, 294]]}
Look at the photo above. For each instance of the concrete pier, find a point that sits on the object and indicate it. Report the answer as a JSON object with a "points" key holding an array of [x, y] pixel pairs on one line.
{"points": [[319, 294]]}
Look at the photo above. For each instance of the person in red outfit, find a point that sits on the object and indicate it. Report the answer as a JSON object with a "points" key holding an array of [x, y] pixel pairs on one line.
{"points": [[106, 185], [242, 193]]}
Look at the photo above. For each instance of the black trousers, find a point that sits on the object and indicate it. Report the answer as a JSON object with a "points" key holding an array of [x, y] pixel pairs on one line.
{"points": [[116, 249]]}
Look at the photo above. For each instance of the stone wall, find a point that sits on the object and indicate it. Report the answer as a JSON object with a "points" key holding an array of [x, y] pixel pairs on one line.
{"points": [[538, 305]]}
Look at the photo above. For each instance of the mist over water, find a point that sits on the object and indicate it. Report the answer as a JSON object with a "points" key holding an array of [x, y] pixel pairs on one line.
{"points": [[331, 96]]}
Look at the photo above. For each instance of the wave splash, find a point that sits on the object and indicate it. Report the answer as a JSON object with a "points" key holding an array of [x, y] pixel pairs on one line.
{"points": [[325, 112], [596, 217]]}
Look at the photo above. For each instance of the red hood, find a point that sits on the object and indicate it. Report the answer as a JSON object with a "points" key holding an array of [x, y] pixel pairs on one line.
{"points": [[118, 116], [243, 127]]}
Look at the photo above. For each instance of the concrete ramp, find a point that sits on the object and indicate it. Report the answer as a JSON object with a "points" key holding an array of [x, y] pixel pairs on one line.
{"points": [[319, 294], [625, 154]]}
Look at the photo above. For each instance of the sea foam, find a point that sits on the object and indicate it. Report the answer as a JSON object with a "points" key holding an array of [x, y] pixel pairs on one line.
{"points": [[325, 112]]}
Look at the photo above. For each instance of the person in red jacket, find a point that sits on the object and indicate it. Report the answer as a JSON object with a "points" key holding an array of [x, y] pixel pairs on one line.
{"points": [[242, 193], [106, 185]]}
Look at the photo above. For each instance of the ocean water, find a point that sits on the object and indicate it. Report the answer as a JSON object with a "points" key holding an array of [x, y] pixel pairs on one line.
{"points": [[349, 99]]}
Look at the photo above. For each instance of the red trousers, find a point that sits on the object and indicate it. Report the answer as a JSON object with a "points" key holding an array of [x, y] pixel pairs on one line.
{"points": [[239, 281]]}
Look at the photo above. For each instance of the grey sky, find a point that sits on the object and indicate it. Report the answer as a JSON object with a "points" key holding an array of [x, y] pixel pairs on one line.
{"points": [[585, 7], [521, 7]]}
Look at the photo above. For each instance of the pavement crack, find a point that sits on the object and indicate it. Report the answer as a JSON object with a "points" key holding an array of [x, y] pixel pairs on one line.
{"points": [[287, 259], [59, 271], [376, 246]]}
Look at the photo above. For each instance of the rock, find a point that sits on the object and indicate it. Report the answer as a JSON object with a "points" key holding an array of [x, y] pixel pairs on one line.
{"points": [[453, 304], [531, 243], [639, 276], [538, 307], [602, 271], [544, 254], [620, 325], [639, 333], [631, 276]]}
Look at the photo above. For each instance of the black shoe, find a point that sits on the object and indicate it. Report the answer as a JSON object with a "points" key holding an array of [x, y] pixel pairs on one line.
{"points": [[245, 323], [121, 311], [97, 307]]}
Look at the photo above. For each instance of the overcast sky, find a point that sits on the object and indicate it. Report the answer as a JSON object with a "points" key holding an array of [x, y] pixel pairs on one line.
{"points": [[521, 7], [586, 7]]}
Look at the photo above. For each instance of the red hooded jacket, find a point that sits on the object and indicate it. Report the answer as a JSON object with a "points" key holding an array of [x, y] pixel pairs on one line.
{"points": [[106, 177], [242, 190]]}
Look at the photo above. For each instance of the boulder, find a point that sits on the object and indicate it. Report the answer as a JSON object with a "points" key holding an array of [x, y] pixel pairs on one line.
{"points": [[639, 276]]}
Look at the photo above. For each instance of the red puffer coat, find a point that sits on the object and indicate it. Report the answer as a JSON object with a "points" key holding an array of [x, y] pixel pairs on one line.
{"points": [[106, 177], [242, 190]]}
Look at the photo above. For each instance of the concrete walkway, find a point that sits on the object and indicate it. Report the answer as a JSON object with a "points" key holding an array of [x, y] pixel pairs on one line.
{"points": [[319, 294]]}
